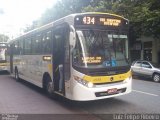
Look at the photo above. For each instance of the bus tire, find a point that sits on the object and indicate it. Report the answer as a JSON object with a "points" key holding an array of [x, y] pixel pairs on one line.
{"points": [[17, 75], [49, 88]]}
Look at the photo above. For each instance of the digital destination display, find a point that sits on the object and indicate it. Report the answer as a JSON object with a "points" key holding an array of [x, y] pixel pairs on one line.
{"points": [[103, 20], [92, 60], [109, 21]]}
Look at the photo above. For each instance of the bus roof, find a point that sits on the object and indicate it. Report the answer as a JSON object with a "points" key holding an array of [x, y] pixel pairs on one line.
{"points": [[100, 13], [62, 19]]}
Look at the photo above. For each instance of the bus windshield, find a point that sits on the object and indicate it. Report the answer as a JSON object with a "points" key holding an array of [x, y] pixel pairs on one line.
{"points": [[99, 49]]}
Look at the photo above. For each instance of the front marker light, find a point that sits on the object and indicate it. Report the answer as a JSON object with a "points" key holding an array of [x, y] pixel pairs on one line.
{"points": [[83, 82], [79, 80]]}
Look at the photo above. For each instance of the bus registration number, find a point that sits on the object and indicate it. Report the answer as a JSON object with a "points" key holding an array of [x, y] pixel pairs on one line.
{"points": [[112, 91]]}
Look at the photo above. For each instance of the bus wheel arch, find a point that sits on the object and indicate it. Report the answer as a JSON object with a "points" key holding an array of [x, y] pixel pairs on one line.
{"points": [[46, 79]]}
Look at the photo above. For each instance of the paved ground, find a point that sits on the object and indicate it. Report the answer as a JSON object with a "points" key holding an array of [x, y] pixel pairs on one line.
{"points": [[30, 102], [24, 98], [145, 98]]}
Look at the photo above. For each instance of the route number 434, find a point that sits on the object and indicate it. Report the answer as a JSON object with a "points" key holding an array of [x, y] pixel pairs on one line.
{"points": [[89, 20]]}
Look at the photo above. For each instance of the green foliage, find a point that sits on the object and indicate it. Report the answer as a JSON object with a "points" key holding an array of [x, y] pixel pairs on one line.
{"points": [[144, 15], [63, 8], [60, 9], [100, 6]]}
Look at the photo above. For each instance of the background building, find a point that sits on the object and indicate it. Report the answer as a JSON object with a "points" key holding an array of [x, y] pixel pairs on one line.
{"points": [[146, 48]]}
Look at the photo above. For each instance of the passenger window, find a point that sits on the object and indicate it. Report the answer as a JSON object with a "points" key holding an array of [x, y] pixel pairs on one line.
{"points": [[27, 46], [21, 47], [16, 48], [146, 65], [46, 42], [138, 64], [36, 42]]}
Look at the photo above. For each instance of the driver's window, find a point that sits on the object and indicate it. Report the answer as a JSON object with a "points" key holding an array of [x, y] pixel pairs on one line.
{"points": [[146, 65]]}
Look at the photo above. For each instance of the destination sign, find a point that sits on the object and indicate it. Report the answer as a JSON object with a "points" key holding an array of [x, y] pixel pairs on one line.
{"points": [[92, 60], [102, 20], [110, 22]]}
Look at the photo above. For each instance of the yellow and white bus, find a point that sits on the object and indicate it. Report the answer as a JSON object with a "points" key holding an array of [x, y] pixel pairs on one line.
{"points": [[82, 56], [3, 61]]}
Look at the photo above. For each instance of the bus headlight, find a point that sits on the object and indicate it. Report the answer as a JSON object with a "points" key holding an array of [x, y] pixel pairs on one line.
{"points": [[90, 84], [84, 82]]}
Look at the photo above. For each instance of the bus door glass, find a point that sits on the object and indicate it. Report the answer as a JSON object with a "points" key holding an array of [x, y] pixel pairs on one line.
{"points": [[61, 57]]}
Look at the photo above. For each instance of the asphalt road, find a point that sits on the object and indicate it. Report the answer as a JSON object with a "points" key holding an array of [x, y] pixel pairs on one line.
{"points": [[24, 98], [145, 98]]}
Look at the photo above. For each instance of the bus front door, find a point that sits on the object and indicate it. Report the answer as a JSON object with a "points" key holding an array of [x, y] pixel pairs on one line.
{"points": [[58, 60], [61, 60]]}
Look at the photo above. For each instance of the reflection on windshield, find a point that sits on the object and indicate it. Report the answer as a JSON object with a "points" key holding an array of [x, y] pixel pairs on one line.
{"points": [[95, 48]]}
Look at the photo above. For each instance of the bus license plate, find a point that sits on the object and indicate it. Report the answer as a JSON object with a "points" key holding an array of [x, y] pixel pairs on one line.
{"points": [[112, 91]]}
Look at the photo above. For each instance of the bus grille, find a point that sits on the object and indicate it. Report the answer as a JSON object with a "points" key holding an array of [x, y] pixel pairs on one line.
{"points": [[108, 83], [106, 73]]}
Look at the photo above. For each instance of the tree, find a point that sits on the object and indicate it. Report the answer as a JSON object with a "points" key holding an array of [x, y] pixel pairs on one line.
{"points": [[144, 15], [60, 9], [99, 6]]}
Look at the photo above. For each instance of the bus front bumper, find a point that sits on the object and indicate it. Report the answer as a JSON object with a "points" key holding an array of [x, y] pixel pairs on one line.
{"points": [[82, 93]]}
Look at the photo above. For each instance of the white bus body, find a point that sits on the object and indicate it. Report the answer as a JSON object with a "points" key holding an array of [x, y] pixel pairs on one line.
{"points": [[37, 55], [3, 62]]}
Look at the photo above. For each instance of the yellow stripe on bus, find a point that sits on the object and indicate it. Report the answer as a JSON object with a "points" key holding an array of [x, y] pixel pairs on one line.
{"points": [[107, 79], [50, 68], [4, 64]]}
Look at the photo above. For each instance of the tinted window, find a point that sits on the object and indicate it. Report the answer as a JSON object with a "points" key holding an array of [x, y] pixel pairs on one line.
{"points": [[61, 49], [46, 42], [137, 64], [17, 48], [27, 46], [21, 47], [36, 44], [97, 48], [146, 65]]}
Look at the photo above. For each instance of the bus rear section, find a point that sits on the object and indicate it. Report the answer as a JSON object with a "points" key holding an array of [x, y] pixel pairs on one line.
{"points": [[3, 62]]}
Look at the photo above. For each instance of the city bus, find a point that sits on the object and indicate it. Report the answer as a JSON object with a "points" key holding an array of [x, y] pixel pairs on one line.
{"points": [[3, 61], [81, 57]]}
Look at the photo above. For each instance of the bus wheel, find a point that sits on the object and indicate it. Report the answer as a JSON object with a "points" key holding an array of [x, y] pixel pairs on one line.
{"points": [[17, 75], [49, 87]]}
